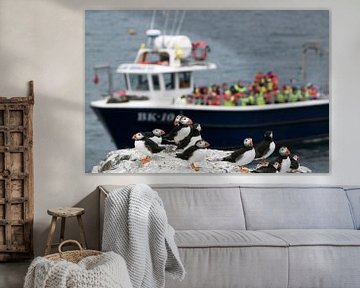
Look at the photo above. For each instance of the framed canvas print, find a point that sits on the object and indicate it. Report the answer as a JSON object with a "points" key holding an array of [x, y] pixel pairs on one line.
{"points": [[243, 91]]}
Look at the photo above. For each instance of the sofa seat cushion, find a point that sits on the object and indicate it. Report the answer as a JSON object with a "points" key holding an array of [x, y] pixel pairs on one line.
{"points": [[226, 238], [236, 267], [322, 258], [317, 237]]}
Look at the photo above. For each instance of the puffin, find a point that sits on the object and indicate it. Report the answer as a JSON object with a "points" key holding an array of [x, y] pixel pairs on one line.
{"points": [[284, 159], [265, 147], [155, 135], [244, 155], [192, 138], [194, 154], [177, 119], [294, 162], [176, 123], [146, 146], [270, 168], [180, 131]]}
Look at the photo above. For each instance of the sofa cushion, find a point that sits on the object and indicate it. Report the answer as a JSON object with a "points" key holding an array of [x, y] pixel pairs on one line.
{"points": [[191, 207], [203, 208], [354, 198], [218, 267], [296, 208], [317, 237], [324, 266], [226, 238], [322, 258]]}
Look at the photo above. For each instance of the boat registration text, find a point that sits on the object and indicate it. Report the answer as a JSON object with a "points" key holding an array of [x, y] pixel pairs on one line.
{"points": [[155, 117]]}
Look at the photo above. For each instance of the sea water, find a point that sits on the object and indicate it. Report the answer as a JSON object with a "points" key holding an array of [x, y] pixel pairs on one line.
{"points": [[242, 43]]}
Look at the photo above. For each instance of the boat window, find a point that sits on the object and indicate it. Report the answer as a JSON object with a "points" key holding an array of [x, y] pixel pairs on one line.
{"points": [[164, 58], [156, 82], [158, 58], [169, 81], [126, 83], [139, 82], [154, 58], [184, 80]]}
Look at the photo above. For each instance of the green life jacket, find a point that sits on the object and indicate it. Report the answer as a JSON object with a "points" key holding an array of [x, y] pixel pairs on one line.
{"points": [[280, 98], [237, 88], [262, 90], [293, 97], [242, 89], [251, 100], [287, 95], [244, 101], [228, 103], [299, 95], [260, 100]]}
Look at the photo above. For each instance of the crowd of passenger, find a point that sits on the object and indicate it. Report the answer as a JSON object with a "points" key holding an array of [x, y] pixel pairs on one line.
{"points": [[263, 90]]}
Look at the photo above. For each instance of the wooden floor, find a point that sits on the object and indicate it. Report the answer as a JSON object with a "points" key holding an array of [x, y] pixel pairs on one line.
{"points": [[12, 274]]}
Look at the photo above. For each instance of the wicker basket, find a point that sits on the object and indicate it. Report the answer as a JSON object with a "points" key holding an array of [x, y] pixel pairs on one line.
{"points": [[72, 256]]}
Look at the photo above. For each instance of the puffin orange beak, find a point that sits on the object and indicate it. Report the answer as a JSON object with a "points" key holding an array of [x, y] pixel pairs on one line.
{"points": [[133, 137], [162, 132], [287, 152], [190, 122], [206, 144]]}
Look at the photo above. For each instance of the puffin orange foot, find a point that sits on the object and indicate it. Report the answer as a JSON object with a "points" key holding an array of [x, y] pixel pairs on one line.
{"points": [[244, 169], [194, 167], [145, 160]]}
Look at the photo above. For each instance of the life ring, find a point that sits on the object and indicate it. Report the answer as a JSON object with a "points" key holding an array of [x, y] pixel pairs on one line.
{"points": [[200, 50]]}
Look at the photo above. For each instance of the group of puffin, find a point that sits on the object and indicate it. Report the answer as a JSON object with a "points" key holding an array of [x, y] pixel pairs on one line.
{"points": [[186, 135]]}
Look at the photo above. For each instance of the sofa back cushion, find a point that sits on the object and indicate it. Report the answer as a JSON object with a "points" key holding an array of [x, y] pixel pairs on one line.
{"points": [[354, 198], [203, 208], [296, 208]]}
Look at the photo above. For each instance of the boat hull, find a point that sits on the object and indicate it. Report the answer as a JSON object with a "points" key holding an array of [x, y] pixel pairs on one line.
{"points": [[221, 128]]}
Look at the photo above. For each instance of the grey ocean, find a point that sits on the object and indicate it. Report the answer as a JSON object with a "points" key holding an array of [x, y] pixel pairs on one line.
{"points": [[242, 43]]}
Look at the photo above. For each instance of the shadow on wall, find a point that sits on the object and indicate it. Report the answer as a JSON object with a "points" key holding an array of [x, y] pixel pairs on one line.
{"points": [[56, 151], [91, 220]]}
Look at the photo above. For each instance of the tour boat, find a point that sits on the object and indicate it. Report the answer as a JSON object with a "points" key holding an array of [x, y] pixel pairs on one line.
{"points": [[163, 72]]}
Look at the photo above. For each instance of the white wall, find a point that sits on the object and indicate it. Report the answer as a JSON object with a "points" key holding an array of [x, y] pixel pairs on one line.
{"points": [[43, 40]]}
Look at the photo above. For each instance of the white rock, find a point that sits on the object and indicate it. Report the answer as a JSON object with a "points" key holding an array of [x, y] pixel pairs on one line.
{"points": [[129, 161]]}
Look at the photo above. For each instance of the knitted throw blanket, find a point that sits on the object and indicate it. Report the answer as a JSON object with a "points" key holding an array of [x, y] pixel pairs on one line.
{"points": [[136, 227], [103, 271]]}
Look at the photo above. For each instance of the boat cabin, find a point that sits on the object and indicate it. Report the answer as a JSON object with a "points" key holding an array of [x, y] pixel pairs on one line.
{"points": [[153, 82], [161, 75], [157, 84]]}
